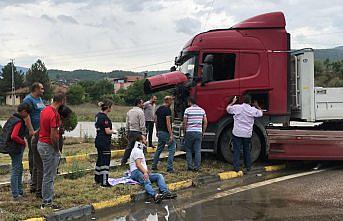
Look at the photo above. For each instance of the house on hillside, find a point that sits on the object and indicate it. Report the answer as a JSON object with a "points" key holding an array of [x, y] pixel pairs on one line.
{"points": [[125, 82], [18, 97]]}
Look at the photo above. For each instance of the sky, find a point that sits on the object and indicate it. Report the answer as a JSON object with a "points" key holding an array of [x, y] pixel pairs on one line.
{"points": [[142, 35]]}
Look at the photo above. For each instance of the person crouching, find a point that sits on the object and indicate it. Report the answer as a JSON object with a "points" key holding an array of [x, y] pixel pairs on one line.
{"points": [[140, 173]]}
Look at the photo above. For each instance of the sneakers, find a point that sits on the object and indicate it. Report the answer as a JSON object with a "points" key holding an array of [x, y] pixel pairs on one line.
{"points": [[50, 206], [168, 195], [106, 185], [158, 198]]}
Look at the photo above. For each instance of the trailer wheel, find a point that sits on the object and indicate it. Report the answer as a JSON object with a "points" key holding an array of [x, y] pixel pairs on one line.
{"points": [[226, 146]]}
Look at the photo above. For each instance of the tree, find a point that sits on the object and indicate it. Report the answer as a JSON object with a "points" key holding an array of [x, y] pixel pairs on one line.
{"points": [[76, 94], [6, 80], [39, 73], [99, 89]]}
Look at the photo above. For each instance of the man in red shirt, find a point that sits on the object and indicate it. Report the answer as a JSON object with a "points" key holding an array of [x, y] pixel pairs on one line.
{"points": [[48, 148]]}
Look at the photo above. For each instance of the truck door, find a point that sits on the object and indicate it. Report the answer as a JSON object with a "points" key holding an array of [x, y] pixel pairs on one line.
{"points": [[214, 96]]}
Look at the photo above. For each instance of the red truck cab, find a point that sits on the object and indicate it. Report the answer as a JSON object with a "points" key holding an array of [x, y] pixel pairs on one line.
{"points": [[250, 57]]}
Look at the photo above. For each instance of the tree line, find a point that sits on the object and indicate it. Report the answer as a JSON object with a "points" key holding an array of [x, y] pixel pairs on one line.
{"points": [[328, 73], [95, 91], [37, 73]]}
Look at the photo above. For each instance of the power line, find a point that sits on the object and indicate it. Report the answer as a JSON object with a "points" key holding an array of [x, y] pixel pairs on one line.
{"points": [[208, 14], [149, 65]]}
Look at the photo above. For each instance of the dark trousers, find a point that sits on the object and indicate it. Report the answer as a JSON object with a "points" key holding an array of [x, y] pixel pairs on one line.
{"points": [[37, 170], [238, 144], [149, 128], [132, 136], [102, 165], [30, 155]]}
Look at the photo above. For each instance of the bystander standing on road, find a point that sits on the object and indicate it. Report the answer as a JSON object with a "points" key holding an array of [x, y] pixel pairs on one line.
{"points": [[103, 125], [140, 173], [135, 126], [244, 116], [34, 99], [165, 134], [48, 148], [12, 142], [194, 124], [149, 113]]}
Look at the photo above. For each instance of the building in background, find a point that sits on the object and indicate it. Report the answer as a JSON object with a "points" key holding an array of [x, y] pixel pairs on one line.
{"points": [[125, 82], [18, 97]]}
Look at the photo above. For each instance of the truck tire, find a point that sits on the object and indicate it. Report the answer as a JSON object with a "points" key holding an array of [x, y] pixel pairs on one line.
{"points": [[226, 147]]}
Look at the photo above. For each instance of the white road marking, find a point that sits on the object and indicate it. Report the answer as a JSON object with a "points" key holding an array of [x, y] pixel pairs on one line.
{"points": [[251, 186]]}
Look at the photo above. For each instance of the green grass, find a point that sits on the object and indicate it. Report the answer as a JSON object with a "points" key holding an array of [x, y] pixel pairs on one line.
{"points": [[84, 112], [68, 150], [87, 192], [87, 112]]}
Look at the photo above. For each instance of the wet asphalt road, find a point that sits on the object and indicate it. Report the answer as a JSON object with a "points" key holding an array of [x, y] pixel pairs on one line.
{"points": [[313, 197]]}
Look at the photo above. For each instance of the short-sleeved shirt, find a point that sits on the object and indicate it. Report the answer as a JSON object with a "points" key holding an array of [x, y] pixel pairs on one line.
{"points": [[49, 118], [149, 111], [162, 113], [102, 121], [244, 116], [37, 107], [137, 153], [195, 116]]}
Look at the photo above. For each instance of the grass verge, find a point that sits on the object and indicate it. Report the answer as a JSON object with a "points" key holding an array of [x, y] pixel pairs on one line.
{"points": [[83, 191]]}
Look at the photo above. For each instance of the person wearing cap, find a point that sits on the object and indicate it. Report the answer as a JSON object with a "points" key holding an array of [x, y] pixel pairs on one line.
{"points": [[165, 134]]}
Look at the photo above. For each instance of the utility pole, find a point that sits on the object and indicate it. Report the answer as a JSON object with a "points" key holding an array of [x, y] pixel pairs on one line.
{"points": [[13, 85]]}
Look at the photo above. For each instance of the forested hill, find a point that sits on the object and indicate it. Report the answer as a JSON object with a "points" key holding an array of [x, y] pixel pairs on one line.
{"points": [[96, 75]]}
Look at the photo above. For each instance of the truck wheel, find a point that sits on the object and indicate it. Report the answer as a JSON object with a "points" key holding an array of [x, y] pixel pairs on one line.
{"points": [[226, 146]]}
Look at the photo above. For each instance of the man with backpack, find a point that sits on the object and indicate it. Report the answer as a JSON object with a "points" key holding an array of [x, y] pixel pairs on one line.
{"points": [[12, 142]]}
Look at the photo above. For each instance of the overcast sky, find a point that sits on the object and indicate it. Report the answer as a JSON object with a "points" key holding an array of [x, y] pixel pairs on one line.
{"points": [[106, 35]]}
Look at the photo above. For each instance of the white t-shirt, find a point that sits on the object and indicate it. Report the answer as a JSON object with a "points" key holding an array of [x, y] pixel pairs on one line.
{"points": [[137, 153]]}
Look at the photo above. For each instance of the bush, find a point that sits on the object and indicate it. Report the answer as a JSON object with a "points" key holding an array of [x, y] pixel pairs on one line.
{"points": [[76, 94], [70, 123], [75, 171]]}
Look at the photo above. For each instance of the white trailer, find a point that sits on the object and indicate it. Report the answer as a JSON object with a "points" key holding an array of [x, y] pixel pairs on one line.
{"points": [[310, 103]]}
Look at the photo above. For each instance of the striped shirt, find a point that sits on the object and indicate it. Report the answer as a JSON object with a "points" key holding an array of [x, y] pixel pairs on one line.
{"points": [[195, 116]]}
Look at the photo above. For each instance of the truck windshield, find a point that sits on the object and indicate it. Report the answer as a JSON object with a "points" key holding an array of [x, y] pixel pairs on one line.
{"points": [[188, 65]]}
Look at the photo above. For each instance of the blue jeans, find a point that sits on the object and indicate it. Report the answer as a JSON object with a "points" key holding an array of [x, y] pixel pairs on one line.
{"points": [[50, 158], [238, 144], [193, 145], [137, 175], [17, 174], [163, 140]]}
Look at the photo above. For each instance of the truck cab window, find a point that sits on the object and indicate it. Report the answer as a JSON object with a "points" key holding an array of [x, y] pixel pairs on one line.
{"points": [[223, 66]]}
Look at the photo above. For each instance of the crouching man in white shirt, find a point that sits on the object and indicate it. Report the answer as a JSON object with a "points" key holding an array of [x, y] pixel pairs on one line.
{"points": [[140, 173]]}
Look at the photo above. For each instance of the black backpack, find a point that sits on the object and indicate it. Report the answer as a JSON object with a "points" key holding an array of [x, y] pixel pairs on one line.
{"points": [[8, 146]]}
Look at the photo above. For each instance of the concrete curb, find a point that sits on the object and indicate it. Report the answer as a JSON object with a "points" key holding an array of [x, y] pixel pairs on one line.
{"points": [[230, 175], [78, 212], [81, 157], [111, 203], [275, 167], [36, 219]]}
